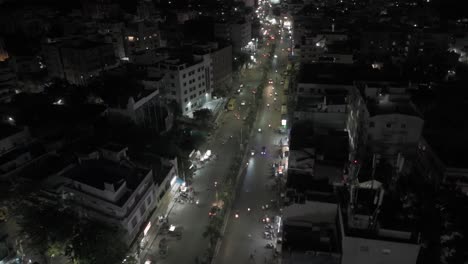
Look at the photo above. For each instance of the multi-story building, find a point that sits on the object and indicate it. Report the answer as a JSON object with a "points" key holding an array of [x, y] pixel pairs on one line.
{"points": [[113, 32], [321, 94], [238, 32], [147, 109], [78, 60], [371, 231], [141, 36], [384, 119], [189, 81], [222, 63], [331, 47], [111, 190]]}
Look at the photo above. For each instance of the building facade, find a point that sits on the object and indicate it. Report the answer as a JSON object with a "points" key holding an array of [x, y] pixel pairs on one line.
{"points": [[189, 82], [78, 60], [221, 57]]}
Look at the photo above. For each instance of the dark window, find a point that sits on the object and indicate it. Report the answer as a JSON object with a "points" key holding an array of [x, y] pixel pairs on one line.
{"points": [[301, 89], [371, 124], [403, 125], [389, 125], [173, 92], [185, 100], [185, 92], [364, 249], [134, 222]]}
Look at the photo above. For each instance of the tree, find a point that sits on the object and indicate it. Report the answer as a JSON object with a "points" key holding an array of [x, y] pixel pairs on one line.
{"points": [[55, 233], [213, 230], [95, 242], [203, 115]]}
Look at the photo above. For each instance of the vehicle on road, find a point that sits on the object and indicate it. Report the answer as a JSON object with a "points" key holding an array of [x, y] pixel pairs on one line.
{"points": [[231, 104], [252, 152], [270, 81], [263, 150], [214, 211], [243, 102], [259, 130], [241, 85]]}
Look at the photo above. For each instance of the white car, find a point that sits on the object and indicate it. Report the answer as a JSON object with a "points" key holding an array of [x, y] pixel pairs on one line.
{"points": [[243, 102]]}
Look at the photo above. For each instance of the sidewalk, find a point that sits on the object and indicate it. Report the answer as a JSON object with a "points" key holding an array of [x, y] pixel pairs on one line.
{"points": [[165, 207]]}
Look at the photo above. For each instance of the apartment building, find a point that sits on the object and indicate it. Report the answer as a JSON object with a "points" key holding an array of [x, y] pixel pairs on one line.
{"points": [[141, 36], [111, 190], [78, 60], [189, 81], [383, 117], [221, 56]]}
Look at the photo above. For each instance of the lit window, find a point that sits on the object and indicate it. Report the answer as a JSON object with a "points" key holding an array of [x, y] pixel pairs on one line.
{"points": [[131, 38]]}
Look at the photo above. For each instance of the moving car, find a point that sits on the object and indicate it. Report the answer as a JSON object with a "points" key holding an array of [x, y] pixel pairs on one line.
{"points": [[270, 81], [263, 150], [243, 102]]}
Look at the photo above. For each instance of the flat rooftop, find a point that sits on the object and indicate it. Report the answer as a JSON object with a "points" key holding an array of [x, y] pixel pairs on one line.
{"points": [[97, 172], [331, 144], [327, 73], [386, 107], [392, 220]]}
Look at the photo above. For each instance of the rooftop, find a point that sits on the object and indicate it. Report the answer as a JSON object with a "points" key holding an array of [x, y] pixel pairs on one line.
{"points": [[327, 73], [393, 223], [386, 106], [96, 173]]}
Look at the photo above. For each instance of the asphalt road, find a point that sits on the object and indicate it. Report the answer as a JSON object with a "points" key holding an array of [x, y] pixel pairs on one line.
{"points": [[243, 235], [194, 218]]}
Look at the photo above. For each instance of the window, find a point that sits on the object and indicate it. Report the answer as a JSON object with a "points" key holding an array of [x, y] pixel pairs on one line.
{"points": [[186, 108], [403, 125], [183, 76], [185, 84], [301, 89], [186, 99], [142, 209], [148, 200], [134, 222], [364, 249], [185, 91], [172, 76], [172, 85], [371, 124], [389, 125], [173, 93], [386, 251]]}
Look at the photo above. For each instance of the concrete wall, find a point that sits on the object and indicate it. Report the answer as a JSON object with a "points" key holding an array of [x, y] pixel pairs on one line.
{"points": [[370, 251]]}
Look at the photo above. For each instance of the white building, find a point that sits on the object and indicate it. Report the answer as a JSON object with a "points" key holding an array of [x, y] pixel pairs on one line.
{"points": [[147, 109], [372, 234], [112, 189], [384, 118], [189, 82]]}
